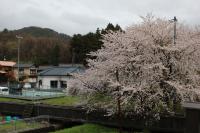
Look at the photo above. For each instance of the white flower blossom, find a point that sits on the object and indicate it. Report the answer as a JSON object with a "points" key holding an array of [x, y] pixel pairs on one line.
{"points": [[153, 72]]}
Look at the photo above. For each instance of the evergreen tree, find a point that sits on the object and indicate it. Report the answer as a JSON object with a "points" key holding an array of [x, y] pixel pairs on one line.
{"points": [[84, 44], [5, 30], [55, 55]]}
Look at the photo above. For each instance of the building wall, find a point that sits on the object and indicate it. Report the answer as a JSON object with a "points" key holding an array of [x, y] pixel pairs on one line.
{"points": [[25, 73], [8, 75], [46, 81], [6, 68]]}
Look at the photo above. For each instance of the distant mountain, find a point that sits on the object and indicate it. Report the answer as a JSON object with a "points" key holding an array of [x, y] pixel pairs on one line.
{"points": [[39, 46], [41, 32]]}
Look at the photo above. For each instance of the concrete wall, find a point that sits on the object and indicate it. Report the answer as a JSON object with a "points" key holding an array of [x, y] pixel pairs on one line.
{"points": [[46, 81], [168, 124]]}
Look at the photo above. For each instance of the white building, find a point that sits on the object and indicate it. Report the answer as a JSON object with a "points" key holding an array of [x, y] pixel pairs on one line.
{"points": [[57, 77]]}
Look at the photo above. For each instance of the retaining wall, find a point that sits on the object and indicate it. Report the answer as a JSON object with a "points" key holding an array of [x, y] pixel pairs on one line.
{"points": [[79, 114]]}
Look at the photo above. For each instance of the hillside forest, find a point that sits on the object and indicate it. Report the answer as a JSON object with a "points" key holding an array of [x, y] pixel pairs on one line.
{"points": [[43, 46]]}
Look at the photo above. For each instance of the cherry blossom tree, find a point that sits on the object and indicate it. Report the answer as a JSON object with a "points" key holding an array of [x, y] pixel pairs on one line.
{"points": [[154, 75]]}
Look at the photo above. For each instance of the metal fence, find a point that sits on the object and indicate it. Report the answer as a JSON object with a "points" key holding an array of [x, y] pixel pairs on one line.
{"points": [[35, 94], [10, 124]]}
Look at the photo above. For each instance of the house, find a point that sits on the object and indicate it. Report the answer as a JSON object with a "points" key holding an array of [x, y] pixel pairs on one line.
{"points": [[6, 71], [57, 77], [27, 73]]}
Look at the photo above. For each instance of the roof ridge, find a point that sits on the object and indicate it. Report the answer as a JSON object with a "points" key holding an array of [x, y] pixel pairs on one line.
{"points": [[44, 71]]}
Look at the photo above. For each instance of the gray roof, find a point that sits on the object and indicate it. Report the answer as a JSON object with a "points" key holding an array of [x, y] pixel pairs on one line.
{"points": [[41, 68], [24, 65], [60, 71]]}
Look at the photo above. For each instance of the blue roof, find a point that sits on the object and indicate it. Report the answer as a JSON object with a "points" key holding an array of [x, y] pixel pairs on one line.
{"points": [[60, 71]]}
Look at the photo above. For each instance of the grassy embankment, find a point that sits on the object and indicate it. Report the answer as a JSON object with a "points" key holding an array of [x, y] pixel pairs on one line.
{"points": [[63, 101], [88, 128], [92, 128]]}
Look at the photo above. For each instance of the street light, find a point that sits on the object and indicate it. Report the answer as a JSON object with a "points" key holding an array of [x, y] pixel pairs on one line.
{"points": [[174, 20], [18, 59]]}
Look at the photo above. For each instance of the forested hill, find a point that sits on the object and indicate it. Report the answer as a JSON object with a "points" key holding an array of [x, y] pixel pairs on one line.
{"points": [[41, 32], [39, 46], [43, 46]]}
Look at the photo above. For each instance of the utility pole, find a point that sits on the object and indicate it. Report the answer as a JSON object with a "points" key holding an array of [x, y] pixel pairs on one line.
{"points": [[174, 36], [18, 55], [119, 103]]}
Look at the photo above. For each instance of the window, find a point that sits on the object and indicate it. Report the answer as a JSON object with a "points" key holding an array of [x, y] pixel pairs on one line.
{"points": [[4, 89], [32, 71], [54, 84], [63, 84], [21, 70]]}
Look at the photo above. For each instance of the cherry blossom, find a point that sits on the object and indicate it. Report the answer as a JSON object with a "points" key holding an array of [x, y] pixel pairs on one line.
{"points": [[154, 74]]}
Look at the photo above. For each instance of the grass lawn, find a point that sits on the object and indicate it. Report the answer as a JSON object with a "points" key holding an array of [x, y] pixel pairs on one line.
{"points": [[88, 128], [2, 99], [18, 126], [67, 100], [63, 101], [92, 128]]}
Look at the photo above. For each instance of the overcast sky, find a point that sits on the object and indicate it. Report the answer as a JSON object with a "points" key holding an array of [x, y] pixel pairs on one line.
{"points": [[82, 16]]}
